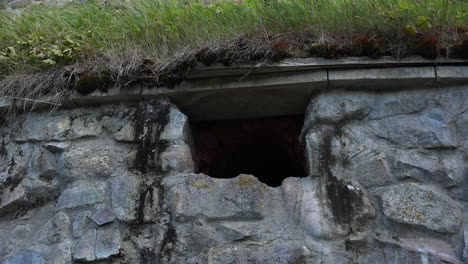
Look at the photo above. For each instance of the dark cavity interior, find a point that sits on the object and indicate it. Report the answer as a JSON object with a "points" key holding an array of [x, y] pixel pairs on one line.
{"points": [[268, 148]]}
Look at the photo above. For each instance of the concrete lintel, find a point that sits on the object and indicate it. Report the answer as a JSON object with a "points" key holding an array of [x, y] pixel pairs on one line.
{"points": [[304, 79], [381, 78], [301, 64], [243, 103], [452, 74]]}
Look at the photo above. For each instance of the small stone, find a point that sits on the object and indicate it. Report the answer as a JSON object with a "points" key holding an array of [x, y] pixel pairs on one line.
{"points": [[80, 195], [126, 133], [55, 230], [80, 223], [47, 165], [85, 126], [177, 127], [13, 199], [418, 204], [103, 216], [107, 242], [62, 253], [124, 195], [84, 249], [177, 158]]}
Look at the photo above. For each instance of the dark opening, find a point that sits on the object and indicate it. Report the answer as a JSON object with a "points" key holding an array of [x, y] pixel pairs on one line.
{"points": [[268, 148]]}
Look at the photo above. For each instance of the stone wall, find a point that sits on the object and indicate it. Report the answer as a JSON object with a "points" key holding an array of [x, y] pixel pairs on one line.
{"points": [[117, 184]]}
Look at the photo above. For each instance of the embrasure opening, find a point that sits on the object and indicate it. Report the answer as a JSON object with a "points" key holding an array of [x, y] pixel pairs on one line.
{"points": [[267, 148]]}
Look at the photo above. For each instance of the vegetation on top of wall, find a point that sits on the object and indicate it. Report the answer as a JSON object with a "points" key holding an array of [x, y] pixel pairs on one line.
{"points": [[50, 50]]}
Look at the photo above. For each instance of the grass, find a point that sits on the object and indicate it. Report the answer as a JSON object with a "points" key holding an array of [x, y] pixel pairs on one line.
{"points": [[157, 42]]}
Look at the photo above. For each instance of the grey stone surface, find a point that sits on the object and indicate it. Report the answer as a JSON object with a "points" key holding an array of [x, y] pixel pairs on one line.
{"points": [[107, 242], [177, 128], [431, 130], [104, 216], [124, 197], [116, 184], [93, 160], [80, 223], [39, 127], [85, 247], [417, 204], [313, 201], [465, 236], [55, 230], [261, 252], [178, 158], [81, 195], [30, 257], [418, 251], [98, 244], [240, 198]]}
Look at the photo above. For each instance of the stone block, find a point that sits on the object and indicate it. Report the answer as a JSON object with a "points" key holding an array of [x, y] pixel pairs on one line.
{"points": [[319, 205], [126, 133], [80, 223], [124, 197], [99, 244], [178, 158], [107, 242], [84, 249], [431, 130], [177, 127], [93, 161], [55, 230], [81, 195], [45, 128], [243, 197], [420, 205], [102, 217]]}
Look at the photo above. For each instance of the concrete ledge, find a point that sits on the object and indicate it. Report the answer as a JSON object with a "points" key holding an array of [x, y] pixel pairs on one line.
{"points": [[259, 81], [452, 74], [302, 64], [244, 91], [384, 78]]}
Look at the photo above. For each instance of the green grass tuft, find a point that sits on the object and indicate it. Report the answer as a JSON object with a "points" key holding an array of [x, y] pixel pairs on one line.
{"points": [[121, 37]]}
